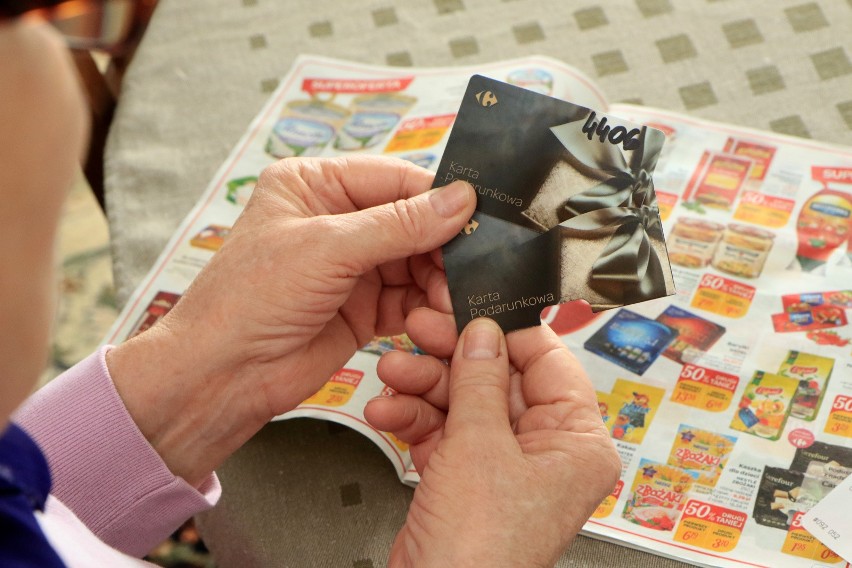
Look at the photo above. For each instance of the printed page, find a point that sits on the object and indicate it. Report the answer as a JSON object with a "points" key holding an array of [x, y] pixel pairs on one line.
{"points": [[731, 402], [327, 107]]}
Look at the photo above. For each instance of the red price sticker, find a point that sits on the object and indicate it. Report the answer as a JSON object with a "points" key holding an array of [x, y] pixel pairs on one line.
{"points": [[723, 296], [419, 133], [839, 420], [705, 388], [799, 542], [710, 526], [666, 202], [762, 209]]}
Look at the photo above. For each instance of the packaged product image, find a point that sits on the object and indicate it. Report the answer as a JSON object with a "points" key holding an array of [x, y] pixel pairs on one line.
{"points": [[778, 497], [631, 341], [762, 154], [693, 242], [657, 496], [821, 454], [743, 250], [305, 127], [702, 452], [823, 227], [765, 405], [718, 179], [632, 407], [812, 372], [695, 335]]}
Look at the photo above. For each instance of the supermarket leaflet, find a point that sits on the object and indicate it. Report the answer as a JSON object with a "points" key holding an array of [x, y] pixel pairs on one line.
{"points": [[729, 401]]}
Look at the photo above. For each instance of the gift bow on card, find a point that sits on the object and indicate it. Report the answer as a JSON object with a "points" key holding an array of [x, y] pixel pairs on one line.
{"points": [[625, 199]]}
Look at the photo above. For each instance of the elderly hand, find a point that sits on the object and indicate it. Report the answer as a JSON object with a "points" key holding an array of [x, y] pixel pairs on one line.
{"points": [[327, 254], [508, 440]]}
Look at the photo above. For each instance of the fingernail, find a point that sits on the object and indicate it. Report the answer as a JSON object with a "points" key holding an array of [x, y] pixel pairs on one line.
{"points": [[450, 199], [481, 340]]}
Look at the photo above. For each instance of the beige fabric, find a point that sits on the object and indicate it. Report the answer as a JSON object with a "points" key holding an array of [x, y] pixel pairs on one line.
{"points": [[299, 495]]}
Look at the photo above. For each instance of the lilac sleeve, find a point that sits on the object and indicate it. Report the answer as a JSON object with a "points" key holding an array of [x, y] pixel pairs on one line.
{"points": [[103, 468]]}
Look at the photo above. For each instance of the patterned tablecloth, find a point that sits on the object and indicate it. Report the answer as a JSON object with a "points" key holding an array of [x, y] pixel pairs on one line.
{"points": [[308, 494]]}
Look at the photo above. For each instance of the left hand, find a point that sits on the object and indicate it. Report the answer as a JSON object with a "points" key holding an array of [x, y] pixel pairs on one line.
{"points": [[508, 439], [327, 254]]}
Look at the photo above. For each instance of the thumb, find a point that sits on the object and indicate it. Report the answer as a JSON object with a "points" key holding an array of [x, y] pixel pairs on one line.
{"points": [[408, 226], [479, 381]]}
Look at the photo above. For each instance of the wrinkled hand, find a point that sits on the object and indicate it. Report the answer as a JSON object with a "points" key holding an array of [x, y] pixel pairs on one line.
{"points": [[508, 440], [326, 255]]}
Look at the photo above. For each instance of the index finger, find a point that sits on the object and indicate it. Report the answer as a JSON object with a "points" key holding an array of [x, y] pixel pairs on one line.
{"points": [[355, 183]]}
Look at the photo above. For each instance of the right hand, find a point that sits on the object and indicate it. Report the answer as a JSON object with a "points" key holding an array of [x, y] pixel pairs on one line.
{"points": [[509, 442]]}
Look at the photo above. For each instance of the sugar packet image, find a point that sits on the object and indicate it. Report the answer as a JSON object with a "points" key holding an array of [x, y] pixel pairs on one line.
{"points": [[566, 208]]}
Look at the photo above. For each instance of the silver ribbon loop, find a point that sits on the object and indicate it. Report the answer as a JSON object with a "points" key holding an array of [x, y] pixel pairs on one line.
{"points": [[628, 256]]}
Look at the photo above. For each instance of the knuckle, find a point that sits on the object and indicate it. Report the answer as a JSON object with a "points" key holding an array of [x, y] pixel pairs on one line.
{"points": [[410, 220]]}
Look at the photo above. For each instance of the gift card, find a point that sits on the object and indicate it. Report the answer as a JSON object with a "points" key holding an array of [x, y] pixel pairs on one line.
{"points": [[566, 208]]}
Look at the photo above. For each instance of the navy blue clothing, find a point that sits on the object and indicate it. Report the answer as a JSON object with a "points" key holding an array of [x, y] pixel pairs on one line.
{"points": [[24, 486]]}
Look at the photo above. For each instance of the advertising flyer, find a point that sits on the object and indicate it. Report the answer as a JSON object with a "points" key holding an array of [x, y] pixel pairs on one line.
{"points": [[729, 400]]}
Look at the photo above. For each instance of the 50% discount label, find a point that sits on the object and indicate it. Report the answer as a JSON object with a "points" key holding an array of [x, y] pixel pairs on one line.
{"points": [[723, 296], [762, 209], [710, 527], [704, 388], [839, 420]]}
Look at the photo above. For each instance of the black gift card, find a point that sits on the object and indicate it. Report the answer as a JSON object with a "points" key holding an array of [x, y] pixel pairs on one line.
{"points": [[566, 208]]}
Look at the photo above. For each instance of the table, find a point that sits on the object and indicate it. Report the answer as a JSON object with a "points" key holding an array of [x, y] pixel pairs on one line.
{"points": [[304, 493]]}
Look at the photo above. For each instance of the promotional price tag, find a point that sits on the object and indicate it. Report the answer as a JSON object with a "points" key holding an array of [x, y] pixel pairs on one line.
{"points": [[839, 420], [608, 504], [723, 296], [800, 542], [338, 390], [666, 202], [710, 527], [707, 389], [417, 133], [762, 209]]}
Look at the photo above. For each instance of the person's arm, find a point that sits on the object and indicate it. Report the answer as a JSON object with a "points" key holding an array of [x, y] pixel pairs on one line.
{"points": [[103, 468], [327, 254]]}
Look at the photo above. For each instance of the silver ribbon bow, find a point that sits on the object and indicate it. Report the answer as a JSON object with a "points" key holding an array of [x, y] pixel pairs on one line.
{"points": [[625, 198]]}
